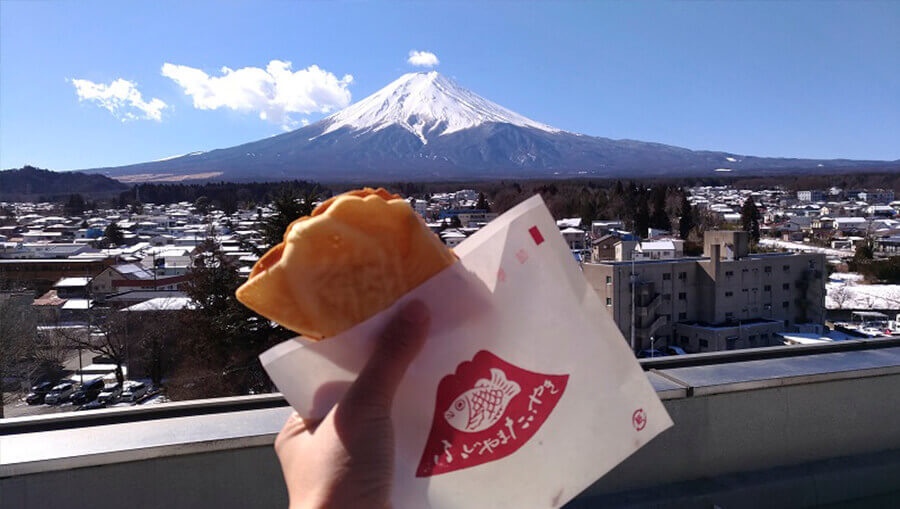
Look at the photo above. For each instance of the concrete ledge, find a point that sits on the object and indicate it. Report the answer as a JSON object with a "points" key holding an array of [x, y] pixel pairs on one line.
{"points": [[744, 432]]}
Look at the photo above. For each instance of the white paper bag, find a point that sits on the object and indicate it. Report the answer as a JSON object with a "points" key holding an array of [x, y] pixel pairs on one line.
{"points": [[525, 392]]}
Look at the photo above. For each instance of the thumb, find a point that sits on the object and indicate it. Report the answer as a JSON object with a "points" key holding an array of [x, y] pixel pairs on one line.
{"points": [[398, 344]]}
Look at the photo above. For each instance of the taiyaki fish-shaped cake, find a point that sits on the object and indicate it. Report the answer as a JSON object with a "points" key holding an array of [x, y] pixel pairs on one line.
{"points": [[354, 256]]}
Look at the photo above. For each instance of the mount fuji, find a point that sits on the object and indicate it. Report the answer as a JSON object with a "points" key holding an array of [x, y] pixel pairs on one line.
{"points": [[425, 126]]}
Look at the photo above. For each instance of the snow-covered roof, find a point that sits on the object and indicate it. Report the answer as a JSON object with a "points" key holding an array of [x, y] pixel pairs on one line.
{"points": [[133, 270], [72, 282], [569, 222], [163, 304], [573, 230], [659, 245], [77, 304]]}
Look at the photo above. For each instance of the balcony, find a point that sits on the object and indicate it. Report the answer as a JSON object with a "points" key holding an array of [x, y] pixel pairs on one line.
{"points": [[796, 426]]}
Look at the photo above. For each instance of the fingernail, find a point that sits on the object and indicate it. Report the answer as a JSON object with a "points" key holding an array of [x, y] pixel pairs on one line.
{"points": [[415, 312]]}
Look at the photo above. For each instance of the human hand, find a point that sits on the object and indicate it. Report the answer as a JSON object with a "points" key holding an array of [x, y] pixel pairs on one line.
{"points": [[347, 459]]}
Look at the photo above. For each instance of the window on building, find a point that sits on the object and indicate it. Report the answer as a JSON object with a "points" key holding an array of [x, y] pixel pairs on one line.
{"points": [[729, 317], [786, 268], [729, 273], [682, 296], [682, 316], [704, 343], [786, 286], [729, 294], [667, 296], [609, 280], [768, 270], [667, 277], [767, 307], [609, 301], [785, 304], [767, 288], [682, 275]]}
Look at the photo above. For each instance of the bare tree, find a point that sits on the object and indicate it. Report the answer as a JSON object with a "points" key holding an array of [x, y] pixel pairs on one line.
{"points": [[16, 335], [26, 354], [106, 336], [840, 294]]}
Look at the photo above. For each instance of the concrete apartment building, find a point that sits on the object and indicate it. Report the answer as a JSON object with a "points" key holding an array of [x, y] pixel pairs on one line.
{"points": [[727, 299]]}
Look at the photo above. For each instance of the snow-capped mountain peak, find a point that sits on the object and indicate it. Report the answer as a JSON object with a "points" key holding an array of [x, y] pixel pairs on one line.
{"points": [[426, 104]]}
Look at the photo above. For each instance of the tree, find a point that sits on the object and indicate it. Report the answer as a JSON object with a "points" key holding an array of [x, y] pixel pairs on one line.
{"points": [[482, 203], [108, 336], [865, 250], [202, 205], [660, 218], [840, 294], [223, 338], [75, 206], [290, 204], [641, 217], [750, 219], [113, 235], [686, 221], [588, 208], [229, 202], [16, 336]]}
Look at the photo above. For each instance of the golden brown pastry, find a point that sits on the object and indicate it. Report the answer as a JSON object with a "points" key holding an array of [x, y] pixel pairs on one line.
{"points": [[354, 256]]}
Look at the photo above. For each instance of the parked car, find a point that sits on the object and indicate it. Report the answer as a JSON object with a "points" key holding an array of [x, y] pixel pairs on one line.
{"points": [[87, 392], [38, 393], [93, 405], [110, 395], [133, 391], [60, 393], [675, 350], [650, 352]]}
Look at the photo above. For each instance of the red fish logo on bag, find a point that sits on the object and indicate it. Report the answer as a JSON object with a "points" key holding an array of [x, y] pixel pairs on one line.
{"points": [[485, 411]]}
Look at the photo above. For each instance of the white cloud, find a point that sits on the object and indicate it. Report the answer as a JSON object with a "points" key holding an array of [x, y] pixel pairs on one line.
{"points": [[274, 92], [423, 58], [121, 98]]}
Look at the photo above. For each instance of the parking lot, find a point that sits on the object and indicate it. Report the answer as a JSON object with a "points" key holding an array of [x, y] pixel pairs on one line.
{"points": [[16, 406]]}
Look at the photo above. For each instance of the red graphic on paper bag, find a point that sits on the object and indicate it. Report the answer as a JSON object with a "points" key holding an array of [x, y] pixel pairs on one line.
{"points": [[485, 411], [639, 419], [536, 235], [522, 256]]}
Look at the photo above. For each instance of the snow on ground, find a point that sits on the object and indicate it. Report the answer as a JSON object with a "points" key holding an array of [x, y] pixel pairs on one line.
{"points": [[805, 248], [847, 295], [839, 277]]}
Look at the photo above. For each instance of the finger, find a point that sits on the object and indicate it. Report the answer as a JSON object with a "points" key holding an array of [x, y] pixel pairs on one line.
{"points": [[397, 346], [294, 426]]}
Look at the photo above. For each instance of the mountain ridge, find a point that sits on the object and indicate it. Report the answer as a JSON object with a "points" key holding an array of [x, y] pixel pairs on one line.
{"points": [[424, 126]]}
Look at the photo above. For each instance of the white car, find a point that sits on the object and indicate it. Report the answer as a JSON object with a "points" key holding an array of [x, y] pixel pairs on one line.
{"points": [[110, 395], [133, 391], [59, 393]]}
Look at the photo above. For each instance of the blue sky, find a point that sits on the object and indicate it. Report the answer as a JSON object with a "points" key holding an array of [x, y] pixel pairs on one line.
{"points": [[819, 79]]}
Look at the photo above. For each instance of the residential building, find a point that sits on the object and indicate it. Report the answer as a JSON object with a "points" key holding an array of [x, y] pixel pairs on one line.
{"points": [[726, 299], [130, 276], [575, 238], [811, 195]]}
